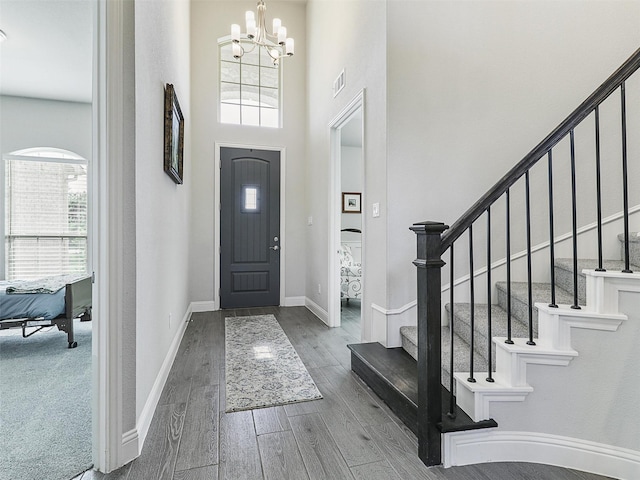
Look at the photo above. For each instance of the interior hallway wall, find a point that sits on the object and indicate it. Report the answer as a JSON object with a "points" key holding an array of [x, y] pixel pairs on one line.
{"points": [[163, 208]]}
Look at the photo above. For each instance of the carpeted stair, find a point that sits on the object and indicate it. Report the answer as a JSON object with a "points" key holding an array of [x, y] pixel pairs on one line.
{"points": [[519, 310]]}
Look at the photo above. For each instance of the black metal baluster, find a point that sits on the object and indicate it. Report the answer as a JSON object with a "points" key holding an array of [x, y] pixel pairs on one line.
{"points": [[529, 281], [452, 398], [490, 376], [471, 305], [598, 191], [625, 188], [508, 229], [552, 240], [575, 221]]}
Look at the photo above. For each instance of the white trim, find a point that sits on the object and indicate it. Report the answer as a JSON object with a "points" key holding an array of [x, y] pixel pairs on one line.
{"points": [[386, 323], [394, 311], [466, 448], [144, 421], [335, 210], [107, 232], [317, 310], [295, 301], [203, 307], [283, 230], [130, 445]]}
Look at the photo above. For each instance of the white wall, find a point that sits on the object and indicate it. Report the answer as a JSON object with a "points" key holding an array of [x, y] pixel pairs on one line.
{"points": [[33, 122], [163, 208], [348, 35], [478, 86], [210, 21]]}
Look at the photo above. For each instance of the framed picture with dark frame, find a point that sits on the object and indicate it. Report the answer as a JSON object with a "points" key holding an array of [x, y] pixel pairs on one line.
{"points": [[351, 202], [173, 135]]}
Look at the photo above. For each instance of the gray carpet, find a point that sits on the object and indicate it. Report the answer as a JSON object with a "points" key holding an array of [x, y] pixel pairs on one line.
{"points": [[262, 369], [45, 404]]}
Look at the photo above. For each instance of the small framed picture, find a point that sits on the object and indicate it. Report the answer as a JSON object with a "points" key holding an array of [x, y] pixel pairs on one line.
{"points": [[173, 135], [351, 202]]}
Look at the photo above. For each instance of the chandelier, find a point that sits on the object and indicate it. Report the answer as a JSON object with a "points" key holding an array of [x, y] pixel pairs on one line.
{"points": [[276, 43]]}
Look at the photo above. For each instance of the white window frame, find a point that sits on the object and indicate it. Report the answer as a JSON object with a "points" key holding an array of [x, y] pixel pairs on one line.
{"points": [[222, 42], [41, 154]]}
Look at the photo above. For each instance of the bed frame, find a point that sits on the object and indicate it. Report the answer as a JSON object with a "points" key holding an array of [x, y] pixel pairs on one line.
{"points": [[77, 303]]}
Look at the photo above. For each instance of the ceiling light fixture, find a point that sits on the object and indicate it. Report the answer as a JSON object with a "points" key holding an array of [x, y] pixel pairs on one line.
{"points": [[3, 36], [257, 34]]}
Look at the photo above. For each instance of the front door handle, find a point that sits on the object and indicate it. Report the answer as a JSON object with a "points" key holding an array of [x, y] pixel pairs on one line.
{"points": [[275, 248]]}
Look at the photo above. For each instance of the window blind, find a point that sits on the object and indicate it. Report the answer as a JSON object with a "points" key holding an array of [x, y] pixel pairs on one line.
{"points": [[45, 218]]}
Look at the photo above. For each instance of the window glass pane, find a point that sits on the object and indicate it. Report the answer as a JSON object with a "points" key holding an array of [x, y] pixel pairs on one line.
{"points": [[269, 97], [250, 75], [265, 58], [269, 77], [230, 92], [251, 198], [251, 58], [269, 117], [229, 113], [230, 72], [250, 116], [250, 95]]}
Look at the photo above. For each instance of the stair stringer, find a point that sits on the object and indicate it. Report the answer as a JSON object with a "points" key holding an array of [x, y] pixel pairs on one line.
{"points": [[554, 347]]}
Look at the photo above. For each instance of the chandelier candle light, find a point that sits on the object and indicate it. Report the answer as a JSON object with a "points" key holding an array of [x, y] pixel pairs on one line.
{"points": [[276, 43]]}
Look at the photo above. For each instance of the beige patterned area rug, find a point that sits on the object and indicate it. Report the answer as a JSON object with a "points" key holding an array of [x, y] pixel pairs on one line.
{"points": [[262, 367]]}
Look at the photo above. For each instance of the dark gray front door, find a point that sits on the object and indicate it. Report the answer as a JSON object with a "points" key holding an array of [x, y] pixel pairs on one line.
{"points": [[249, 228]]}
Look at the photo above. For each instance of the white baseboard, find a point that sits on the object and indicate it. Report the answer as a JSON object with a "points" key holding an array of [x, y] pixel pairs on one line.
{"points": [[466, 448], [317, 310], [295, 301], [150, 405], [130, 448], [203, 306]]}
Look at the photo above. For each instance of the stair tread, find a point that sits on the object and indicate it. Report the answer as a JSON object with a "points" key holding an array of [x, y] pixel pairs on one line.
{"points": [[590, 264], [499, 323], [461, 349], [541, 292]]}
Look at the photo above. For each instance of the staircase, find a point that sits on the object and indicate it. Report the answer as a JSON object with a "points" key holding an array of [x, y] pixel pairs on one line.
{"points": [[519, 309], [449, 377]]}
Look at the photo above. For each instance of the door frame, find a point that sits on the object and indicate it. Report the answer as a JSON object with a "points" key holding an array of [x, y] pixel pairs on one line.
{"points": [[216, 214], [335, 207]]}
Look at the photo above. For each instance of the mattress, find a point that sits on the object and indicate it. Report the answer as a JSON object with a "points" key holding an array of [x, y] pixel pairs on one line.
{"points": [[31, 305]]}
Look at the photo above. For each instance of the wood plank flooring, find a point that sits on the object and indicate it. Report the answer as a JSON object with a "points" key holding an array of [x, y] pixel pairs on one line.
{"points": [[349, 434]]}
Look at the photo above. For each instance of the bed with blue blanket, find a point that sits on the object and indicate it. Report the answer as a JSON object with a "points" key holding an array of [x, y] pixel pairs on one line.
{"points": [[52, 301]]}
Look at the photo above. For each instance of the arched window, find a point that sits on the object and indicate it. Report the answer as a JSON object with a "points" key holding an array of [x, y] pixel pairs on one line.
{"points": [[249, 87], [45, 213]]}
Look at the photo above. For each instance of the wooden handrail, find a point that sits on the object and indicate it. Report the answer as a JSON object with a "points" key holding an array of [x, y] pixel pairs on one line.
{"points": [[595, 99]]}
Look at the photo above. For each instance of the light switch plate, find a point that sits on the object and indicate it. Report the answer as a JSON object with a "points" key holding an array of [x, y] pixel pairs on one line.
{"points": [[376, 210]]}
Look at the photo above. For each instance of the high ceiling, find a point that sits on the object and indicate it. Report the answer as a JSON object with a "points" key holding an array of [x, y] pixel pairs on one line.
{"points": [[48, 50]]}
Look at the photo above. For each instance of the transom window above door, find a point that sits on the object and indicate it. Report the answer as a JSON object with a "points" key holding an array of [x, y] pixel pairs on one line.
{"points": [[249, 87]]}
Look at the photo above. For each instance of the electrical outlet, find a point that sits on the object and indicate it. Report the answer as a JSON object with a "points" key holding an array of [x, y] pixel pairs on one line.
{"points": [[170, 320], [319, 289]]}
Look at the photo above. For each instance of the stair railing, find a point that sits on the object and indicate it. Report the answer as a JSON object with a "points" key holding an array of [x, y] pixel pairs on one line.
{"points": [[435, 238]]}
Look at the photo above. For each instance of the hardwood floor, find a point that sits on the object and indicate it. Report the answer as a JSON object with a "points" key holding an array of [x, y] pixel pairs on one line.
{"points": [[349, 434]]}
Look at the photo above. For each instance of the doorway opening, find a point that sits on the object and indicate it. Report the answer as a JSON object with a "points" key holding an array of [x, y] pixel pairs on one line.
{"points": [[347, 224]]}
